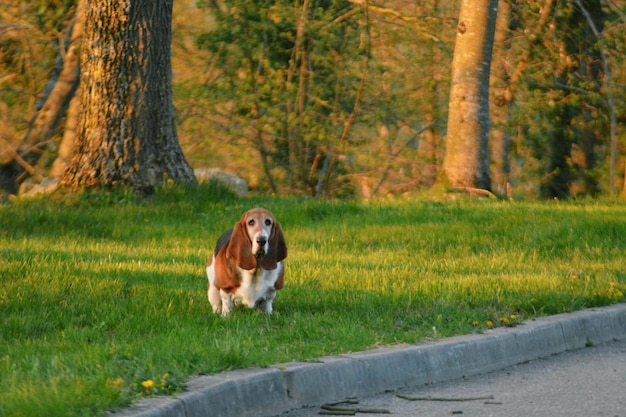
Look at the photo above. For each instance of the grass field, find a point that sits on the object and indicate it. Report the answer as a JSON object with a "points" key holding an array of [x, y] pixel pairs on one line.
{"points": [[103, 296]]}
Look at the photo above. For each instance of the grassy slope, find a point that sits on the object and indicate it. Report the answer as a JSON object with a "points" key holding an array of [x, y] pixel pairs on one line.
{"points": [[101, 293]]}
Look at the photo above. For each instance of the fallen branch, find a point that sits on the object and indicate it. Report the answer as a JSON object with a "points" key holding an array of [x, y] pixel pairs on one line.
{"points": [[346, 401], [332, 409], [408, 398], [337, 412], [478, 191]]}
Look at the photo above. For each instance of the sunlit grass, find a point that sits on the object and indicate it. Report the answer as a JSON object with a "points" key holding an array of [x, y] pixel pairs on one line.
{"points": [[103, 297]]}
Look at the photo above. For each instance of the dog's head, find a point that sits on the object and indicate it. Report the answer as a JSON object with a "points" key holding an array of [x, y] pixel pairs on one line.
{"points": [[257, 240]]}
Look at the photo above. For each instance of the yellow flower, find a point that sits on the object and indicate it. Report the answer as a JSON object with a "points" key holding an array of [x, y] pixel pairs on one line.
{"points": [[513, 317], [475, 323], [489, 323], [504, 320], [115, 384], [148, 384]]}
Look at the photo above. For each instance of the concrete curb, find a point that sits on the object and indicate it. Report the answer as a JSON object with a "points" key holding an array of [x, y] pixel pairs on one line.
{"points": [[257, 392]]}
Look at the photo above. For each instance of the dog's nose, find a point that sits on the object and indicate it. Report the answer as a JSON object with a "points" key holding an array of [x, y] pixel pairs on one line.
{"points": [[261, 241]]}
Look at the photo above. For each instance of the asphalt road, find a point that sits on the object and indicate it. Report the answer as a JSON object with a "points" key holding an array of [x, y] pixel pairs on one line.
{"points": [[589, 382]]}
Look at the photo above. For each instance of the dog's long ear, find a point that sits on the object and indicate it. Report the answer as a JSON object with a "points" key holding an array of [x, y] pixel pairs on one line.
{"points": [[240, 246], [277, 248]]}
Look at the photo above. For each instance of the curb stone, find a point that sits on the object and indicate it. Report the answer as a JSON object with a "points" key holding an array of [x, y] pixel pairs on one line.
{"points": [[256, 392]]}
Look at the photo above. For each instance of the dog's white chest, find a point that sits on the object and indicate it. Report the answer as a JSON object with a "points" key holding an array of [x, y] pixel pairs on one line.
{"points": [[256, 285]]}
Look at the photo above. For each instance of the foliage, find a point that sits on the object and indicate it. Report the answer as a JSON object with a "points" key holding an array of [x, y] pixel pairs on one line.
{"points": [[249, 102], [563, 113], [31, 36], [559, 115], [321, 92], [97, 290], [290, 74]]}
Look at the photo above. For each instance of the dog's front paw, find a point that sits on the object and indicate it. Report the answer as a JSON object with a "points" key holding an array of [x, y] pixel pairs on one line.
{"points": [[264, 305], [227, 305]]}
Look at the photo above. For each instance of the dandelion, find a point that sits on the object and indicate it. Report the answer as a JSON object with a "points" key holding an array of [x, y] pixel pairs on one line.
{"points": [[148, 384], [475, 323], [504, 320], [489, 323], [513, 317], [117, 384]]}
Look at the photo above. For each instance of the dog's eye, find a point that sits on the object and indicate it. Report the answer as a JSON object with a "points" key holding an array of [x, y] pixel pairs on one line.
{"points": [[268, 222], [251, 222]]}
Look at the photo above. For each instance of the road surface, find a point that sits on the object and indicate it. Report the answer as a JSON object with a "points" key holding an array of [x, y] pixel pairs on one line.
{"points": [[589, 382]]}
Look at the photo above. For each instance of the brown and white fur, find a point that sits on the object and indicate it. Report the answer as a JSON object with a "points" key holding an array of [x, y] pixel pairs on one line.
{"points": [[246, 267]]}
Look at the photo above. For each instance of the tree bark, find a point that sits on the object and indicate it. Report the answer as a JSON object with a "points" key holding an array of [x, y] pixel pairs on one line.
{"points": [[127, 134], [501, 102], [466, 161], [66, 147]]}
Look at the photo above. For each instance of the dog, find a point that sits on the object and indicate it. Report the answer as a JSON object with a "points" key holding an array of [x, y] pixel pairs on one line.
{"points": [[246, 267]]}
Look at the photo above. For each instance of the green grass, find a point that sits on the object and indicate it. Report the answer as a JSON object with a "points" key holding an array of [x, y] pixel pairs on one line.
{"points": [[101, 293]]}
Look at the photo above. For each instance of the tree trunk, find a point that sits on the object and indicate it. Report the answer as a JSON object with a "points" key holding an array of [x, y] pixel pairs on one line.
{"points": [[595, 18], [556, 183], [466, 161], [295, 111], [127, 133], [501, 102], [66, 147], [428, 148]]}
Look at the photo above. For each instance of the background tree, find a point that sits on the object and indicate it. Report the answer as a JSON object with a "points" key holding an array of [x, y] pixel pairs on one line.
{"points": [[564, 116], [23, 143], [233, 100], [573, 138], [405, 114], [466, 161], [500, 101], [127, 132], [291, 73], [336, 89]]}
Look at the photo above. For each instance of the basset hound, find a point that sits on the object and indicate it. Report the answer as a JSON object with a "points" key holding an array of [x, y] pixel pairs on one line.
{"points": [[246, 266]]}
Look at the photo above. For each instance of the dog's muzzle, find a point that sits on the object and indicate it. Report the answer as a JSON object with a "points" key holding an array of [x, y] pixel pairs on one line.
{"points": [[261, 242]]}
